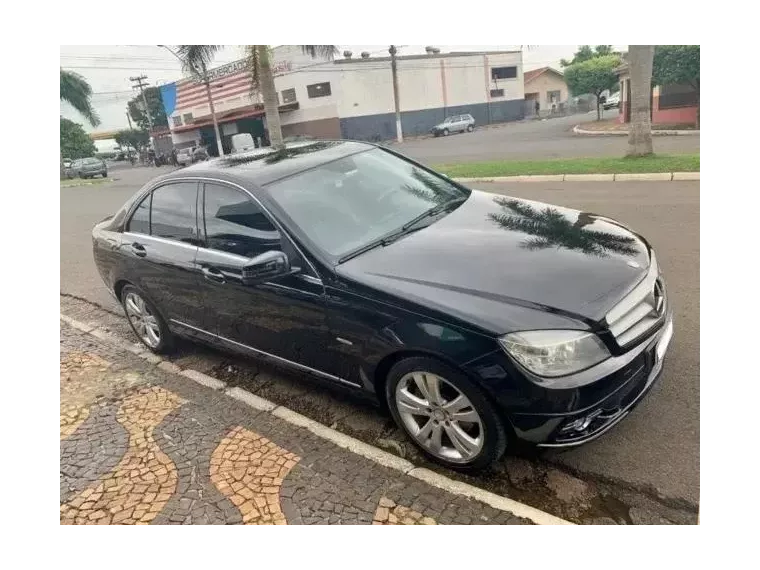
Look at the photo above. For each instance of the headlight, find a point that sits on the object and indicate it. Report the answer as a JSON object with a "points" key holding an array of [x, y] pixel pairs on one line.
{"points": [[556, 352]]}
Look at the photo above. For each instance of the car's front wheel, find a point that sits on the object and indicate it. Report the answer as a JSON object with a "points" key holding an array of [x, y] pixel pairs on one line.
{"points": [[470, 128], [445, 414], [445, 132], [145, 320]]}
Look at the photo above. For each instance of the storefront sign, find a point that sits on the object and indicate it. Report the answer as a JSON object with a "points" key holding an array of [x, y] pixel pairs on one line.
{"points": [[242, 65]]}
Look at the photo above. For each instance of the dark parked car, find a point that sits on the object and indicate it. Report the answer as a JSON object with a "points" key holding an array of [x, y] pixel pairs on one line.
{"points": [[478, 319], [87, 168]]}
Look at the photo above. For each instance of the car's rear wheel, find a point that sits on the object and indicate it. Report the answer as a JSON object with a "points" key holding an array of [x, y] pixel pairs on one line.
{"points": [[445, 414], [445, 132], [145, 320], [470, 128]]}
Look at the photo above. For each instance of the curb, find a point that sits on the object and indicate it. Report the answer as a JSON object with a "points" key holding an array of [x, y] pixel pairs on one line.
{"points": [[622, 177], [344, 441], [655, 133]]}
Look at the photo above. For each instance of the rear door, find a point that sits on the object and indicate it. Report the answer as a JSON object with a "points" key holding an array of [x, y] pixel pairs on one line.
{"points": [[160, 246]]}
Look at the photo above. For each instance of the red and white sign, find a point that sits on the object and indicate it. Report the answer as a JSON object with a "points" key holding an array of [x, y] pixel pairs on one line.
{"points": [[228, 81]]}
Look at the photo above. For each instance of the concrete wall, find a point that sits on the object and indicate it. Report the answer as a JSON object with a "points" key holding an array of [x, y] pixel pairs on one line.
{"points": [[545, 82], [383, 126], [430, 89], [319, 129], [675, 116]]}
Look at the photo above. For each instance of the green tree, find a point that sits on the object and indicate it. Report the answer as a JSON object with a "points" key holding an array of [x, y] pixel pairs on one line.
{"points": [[75, 143], [134, 138], [77, 92], [594, 76], [155, 107], [677, 64], [585, 53]]}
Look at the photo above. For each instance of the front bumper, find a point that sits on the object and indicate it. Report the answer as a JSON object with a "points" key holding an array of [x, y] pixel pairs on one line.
{"points": [[570, 430]]}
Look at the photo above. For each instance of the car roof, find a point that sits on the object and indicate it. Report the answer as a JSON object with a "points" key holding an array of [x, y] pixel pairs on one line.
{"points": [[264, 165]]}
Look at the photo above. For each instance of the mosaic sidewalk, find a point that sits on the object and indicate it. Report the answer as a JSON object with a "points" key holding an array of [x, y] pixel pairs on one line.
{"points": [[139, 445]]}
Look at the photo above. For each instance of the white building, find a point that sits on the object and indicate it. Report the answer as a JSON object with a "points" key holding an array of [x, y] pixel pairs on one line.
{"points": [[352, 97]]}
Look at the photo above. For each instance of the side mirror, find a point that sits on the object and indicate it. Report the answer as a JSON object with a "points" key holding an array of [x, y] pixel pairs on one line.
{"points": [[265, 267]]}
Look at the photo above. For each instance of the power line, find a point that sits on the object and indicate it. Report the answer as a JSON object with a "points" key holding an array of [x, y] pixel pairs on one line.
{"points": [[140, 85]]}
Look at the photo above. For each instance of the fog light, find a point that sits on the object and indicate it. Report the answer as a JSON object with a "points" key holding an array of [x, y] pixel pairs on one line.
{"points": [[581, 423]]}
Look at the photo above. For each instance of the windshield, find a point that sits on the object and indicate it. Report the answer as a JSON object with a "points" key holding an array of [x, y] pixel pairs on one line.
{"points": [[344, 205]]}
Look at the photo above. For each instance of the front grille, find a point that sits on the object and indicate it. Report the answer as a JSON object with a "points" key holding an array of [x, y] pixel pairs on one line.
{"points": [[639, 312]]}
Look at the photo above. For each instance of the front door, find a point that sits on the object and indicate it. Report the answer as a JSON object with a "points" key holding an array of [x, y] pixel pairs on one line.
{"points": [[160, 246], [285, 317]]}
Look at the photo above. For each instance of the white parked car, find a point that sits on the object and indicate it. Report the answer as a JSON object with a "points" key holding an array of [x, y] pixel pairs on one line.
{"points": [[612, 101]]}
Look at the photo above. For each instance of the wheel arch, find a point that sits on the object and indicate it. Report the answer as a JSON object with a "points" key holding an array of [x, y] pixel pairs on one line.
{"points": [[384, 366]]}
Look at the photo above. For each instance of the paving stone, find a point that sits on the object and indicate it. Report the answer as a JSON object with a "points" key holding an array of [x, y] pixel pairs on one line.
{"points": [[153, 447]]}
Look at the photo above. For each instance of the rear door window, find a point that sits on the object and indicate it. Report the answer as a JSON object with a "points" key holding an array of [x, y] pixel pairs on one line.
{"points": [[172, 212], [140, 222]]}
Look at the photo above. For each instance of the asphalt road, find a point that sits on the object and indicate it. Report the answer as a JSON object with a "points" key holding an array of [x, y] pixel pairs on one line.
{"points": [[657, 447], [533, 140]]}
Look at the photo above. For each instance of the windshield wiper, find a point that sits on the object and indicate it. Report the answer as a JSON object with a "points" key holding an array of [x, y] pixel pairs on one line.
{"points": [[434, 211], [407, 228]]}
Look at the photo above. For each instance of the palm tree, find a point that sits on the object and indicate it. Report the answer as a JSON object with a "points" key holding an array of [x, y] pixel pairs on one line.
{"points": [[259, 64], [551, 228], [77, 92], [196, 60], [640, 60]]}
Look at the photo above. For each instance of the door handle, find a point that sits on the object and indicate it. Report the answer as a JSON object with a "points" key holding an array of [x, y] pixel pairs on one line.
{"points": [[138, 249], [213, 274]]}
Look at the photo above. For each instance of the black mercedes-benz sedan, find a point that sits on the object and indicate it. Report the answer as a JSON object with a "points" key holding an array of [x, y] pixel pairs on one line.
{"points": [[480, 320]]}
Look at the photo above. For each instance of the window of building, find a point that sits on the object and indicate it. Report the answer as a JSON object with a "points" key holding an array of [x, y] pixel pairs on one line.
{"points": [[140, 222], [235, 224], [172, 212], [177, 121], [187, 118], [497, 92], [509, 72], [553, 96], [318, 90], [674, 96], [289, 95]]}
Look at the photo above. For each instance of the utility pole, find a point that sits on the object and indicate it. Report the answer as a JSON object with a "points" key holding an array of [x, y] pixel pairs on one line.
{"points": [[129, 120], [140, 85], [399, 134]]}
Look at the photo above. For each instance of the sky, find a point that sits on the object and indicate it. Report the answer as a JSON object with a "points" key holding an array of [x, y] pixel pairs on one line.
{"points": [[108, 69]]}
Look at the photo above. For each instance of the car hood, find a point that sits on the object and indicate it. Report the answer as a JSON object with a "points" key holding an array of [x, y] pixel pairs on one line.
{"points": [[496, 261]]}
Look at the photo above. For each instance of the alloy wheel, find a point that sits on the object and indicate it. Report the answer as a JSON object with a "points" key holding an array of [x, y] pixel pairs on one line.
{"points": [[145, 323], [439, 417]]}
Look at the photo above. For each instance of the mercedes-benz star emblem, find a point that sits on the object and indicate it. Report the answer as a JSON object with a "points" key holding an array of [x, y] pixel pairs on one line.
{"points": [[659, 297]]}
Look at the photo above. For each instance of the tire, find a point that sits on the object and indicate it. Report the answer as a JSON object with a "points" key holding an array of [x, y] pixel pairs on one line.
{"points": [[470, 128], [445, 132], [105, 175], [165, 337], [486, 436]]}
